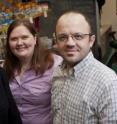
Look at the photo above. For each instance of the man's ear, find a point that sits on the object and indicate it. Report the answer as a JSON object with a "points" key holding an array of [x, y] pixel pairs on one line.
{"points": [[92, 40]]}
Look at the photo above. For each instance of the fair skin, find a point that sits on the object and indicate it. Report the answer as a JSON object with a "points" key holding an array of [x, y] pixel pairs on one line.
{"points": [[73, 51], [22, 44]]}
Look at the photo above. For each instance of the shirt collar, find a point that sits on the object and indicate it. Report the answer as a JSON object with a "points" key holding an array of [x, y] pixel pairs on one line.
{"points": [[78, 67]]}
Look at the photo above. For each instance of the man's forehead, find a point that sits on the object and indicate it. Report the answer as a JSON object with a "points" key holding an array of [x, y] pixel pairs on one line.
{"points": [[71, 17]]}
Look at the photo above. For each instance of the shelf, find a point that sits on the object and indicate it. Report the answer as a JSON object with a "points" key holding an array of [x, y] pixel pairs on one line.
{"points": [[21, 10]]}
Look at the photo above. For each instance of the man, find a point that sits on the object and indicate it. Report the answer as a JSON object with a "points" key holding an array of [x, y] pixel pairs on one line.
{"points": [[84, 91]]}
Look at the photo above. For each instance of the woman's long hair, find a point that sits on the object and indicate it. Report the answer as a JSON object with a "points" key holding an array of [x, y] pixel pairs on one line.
{"points": [[42, 58]]}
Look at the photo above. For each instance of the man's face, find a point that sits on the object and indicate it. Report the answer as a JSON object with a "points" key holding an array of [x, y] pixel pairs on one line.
{"points": [[73, 37]]}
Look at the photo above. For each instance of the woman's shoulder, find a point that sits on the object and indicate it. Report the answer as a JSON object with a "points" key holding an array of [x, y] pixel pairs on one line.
{"points": [[57, 60]]}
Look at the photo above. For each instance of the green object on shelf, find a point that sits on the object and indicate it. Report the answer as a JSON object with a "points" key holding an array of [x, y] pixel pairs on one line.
{"points": [[113, 44], [107, 57], [110, 53], [114, 67]]}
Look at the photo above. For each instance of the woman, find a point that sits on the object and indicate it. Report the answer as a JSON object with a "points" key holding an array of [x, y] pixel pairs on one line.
{"points": [[29, 67], [8, 111]]}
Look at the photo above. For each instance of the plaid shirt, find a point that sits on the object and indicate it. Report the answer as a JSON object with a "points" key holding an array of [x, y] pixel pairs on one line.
{"points": [[86, 95]]}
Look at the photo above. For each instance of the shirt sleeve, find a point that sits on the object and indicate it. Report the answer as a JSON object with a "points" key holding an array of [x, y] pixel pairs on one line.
{"points": [[13, 113], [107, 106]]}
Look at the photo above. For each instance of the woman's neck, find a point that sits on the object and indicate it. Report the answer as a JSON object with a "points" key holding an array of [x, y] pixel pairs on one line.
{"points": [[25, 64]]}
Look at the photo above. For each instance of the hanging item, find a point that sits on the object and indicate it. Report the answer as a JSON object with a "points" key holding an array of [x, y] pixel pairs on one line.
{"points": [[10, 10], [25, 0]]}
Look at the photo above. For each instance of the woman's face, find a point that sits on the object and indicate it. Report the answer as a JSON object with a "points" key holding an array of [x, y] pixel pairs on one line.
{"points": [[22, 42]]}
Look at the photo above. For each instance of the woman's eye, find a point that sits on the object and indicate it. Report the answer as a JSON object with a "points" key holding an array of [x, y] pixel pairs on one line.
{"points": [[13, 39], [24, 37]]}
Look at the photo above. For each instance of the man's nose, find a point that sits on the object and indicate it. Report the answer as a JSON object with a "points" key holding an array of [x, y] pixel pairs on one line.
{"points": [[70, 41]]}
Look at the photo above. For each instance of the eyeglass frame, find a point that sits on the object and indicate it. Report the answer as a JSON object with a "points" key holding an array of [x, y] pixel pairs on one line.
{"points": [[82, 36]]}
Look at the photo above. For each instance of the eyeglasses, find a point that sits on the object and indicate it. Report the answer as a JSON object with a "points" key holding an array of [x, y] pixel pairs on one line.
{"points": [[75, 37]]}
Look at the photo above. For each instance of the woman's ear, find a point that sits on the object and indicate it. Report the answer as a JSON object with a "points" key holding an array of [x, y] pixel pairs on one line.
{"points": [[35, 39]]}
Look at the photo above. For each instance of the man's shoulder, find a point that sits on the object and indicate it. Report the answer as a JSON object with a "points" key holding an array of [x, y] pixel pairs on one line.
{"points": [[57, 71], [104, 72]]}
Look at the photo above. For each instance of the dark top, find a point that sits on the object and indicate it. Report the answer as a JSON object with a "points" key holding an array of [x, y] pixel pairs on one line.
{"points": [[9, 113]]}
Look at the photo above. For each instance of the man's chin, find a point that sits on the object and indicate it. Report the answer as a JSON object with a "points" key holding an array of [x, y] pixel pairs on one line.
{"points": [[71, 60]]}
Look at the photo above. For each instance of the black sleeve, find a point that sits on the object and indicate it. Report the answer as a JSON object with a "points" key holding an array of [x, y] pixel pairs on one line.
{"points": [[13, 113]]}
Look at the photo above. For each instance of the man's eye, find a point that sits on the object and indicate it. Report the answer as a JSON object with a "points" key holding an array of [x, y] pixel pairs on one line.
{"points": [[62, 38], [77, 36]]}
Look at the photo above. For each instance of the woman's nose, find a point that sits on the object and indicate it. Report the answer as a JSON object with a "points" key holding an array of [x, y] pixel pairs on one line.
{"points": [[19, 41]]}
